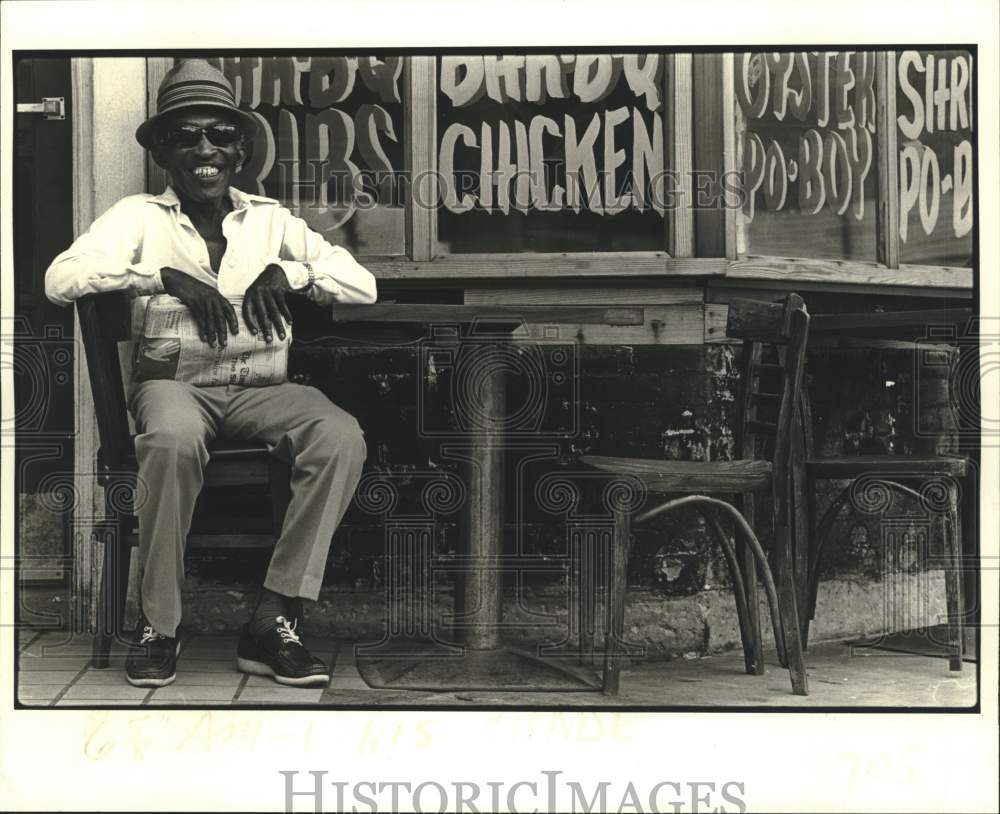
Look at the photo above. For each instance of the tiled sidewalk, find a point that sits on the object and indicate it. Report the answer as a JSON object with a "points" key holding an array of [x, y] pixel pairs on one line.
{"points": [[54, 672], [57, 672]]}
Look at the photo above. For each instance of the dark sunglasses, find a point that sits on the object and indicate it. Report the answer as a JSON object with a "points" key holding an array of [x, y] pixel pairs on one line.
{"points": [[187, 135]]}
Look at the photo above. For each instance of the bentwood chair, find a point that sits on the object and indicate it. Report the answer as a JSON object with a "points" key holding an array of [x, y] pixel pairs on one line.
{"points": [[774, 343], [870, 483], [105, 320]]}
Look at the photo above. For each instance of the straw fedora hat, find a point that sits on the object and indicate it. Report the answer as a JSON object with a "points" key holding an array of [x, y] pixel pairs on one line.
{"points": [[193, 83]]}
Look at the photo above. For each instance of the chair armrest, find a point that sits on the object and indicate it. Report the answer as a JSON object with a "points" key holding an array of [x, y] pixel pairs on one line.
{"points": [[111, 314], [105, 320], [887, 466]]}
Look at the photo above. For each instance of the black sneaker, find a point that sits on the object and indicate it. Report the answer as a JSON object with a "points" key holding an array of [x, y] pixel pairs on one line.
{"points": [[277, 652], [152, 660]]}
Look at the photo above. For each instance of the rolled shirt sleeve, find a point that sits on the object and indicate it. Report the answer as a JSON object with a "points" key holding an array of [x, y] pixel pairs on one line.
{"points": [[338, 277], [105, 258]]}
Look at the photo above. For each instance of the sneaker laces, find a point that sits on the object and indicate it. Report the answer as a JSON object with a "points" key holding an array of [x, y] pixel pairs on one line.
{"points": [[150, 635], [287, 630]]}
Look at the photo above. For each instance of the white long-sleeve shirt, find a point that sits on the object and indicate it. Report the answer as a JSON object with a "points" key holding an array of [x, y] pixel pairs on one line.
{"points": [[126, 247]]}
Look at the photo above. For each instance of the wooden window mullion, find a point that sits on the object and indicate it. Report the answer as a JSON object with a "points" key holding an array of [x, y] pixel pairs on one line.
{"points": [[887, 151], [420, 150], [679, 215], [707, 152], [729, 168]]}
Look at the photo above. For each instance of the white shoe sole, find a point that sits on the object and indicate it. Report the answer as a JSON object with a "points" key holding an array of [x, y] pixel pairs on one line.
{"points": [[151, 682], [258, 668]]}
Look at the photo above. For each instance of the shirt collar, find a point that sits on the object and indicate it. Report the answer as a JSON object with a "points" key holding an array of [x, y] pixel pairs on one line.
{"points": [[241, 200]]}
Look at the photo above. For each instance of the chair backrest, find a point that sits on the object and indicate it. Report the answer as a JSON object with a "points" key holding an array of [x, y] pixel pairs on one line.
{"points": [[774, 346], [945, 331], [774, 350], [105, 320]]}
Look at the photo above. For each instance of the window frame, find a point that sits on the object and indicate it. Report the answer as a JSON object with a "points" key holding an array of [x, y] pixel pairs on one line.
{"points": [[884, 272], [699, 130]]}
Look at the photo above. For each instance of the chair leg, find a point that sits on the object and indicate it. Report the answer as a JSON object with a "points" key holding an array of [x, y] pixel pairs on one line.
{"points": [[953, 578], [797, 665], [809, 596], [113, 592], [821, 531], [784, 617], [105, 625], [614, 637], [748, 565], [790, 622], [751, 645], [798, 518]]}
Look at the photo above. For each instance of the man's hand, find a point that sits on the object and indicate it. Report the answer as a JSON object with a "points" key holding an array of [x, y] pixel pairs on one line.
{"points": [[211, 311], [264, 303]]}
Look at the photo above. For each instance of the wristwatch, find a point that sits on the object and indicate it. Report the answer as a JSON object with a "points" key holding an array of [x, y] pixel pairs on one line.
{"points": [[312, 275]]}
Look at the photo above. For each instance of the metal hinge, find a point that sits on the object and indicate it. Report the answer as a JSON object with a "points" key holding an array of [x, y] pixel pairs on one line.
{"points": [[52, 107]]}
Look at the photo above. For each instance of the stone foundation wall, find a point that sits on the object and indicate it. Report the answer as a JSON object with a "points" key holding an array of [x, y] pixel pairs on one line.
{"points": [[665, 627]]}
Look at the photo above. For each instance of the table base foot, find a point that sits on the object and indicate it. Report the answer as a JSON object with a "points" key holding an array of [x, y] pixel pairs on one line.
{"points": [[505, 669]]}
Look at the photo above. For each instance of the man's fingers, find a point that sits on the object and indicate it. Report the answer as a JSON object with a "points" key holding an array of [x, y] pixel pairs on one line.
{"points": [[214, 323], [263, 314], [248, 315], [283, 305], [218, 310], [266, 311], [205, 330], [230, 312], [274, 313], [259, 313], [213, 314]]}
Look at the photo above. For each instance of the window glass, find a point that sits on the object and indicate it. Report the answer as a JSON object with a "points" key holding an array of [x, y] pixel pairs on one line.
{"points": [[934, 117], [330, 144], [551, 153], [806, 147]]}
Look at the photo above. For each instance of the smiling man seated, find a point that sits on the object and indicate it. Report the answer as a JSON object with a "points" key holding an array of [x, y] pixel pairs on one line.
{"points": [[206, 242]]}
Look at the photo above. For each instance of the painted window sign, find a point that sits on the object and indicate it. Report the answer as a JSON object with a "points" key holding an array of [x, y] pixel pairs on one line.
{"points": [[329, 144], [806, 147], [551, 152], [934, 119], [567, 152]]}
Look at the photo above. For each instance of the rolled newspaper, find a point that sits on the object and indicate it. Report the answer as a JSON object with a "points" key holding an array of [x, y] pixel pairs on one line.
{"points": [[170, 348]]}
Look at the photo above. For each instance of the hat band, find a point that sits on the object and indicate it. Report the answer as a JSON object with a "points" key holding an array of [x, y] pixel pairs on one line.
{"points": [[188, 92]]}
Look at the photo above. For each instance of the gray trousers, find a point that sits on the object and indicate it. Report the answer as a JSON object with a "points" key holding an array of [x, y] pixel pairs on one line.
{"points": [[176, 422]]}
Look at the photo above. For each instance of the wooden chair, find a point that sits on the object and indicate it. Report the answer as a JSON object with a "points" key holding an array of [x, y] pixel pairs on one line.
{"points": [[932, 479], [774, 342], [105, 320]]}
